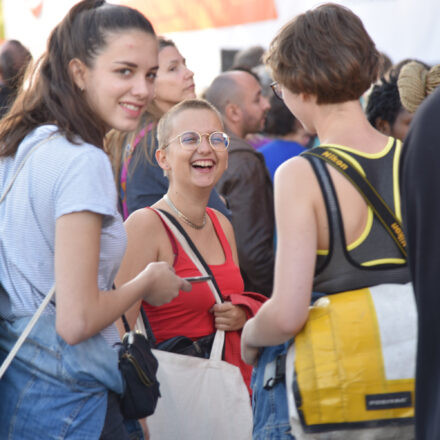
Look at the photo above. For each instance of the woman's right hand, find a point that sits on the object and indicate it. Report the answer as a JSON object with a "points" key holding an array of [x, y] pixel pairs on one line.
{"points": [[162, 285]]}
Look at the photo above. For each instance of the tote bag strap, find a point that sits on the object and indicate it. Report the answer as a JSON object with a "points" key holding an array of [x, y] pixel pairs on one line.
{"points": [[191, 250], [48, 297]]}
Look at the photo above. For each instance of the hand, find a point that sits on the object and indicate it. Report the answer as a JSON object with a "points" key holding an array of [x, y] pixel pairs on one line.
{"points": [[249, 353], [228, 316], [162, 285]]}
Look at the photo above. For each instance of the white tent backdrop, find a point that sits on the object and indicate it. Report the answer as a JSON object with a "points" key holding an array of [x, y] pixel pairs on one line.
{"points": [[400, 28]]}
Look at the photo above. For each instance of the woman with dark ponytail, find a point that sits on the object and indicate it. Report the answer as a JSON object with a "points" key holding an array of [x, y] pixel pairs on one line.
{"points": [[59, 224]]}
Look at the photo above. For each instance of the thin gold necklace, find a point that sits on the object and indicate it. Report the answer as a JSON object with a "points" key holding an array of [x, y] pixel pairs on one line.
{"points": [[183, 216]]}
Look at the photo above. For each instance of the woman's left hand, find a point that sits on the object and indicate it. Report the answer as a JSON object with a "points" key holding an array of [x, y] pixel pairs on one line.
{"points": [[228, 316]]}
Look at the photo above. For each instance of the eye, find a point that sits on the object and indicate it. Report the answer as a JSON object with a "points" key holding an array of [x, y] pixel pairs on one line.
{"points": [[189, 138], [151, 76], [125, 71], [219, 139]]}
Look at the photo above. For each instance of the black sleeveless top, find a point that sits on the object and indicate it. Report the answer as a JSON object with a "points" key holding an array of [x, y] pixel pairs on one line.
{"points": [[374, 257]]}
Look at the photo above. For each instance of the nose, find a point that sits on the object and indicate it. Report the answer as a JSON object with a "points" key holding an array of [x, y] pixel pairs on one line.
{"points": [[204, 145], [188, 73], [265, 104], [143, 88]]}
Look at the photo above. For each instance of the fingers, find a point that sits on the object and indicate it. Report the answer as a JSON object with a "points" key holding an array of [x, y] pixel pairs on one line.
{"points": [[186, 286]]}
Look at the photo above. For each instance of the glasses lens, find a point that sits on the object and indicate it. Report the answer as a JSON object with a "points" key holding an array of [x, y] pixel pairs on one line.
{"points": [[219, 140], [190, 139], [277, 90]]}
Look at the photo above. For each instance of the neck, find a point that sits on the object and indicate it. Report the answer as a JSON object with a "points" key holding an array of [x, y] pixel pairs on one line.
{"points": [[192, 206], [235, 129], [345, 124]]}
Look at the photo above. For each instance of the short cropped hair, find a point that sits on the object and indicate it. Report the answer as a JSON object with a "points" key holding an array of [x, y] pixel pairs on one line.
{"points": [[165, 126], [325, 52]]}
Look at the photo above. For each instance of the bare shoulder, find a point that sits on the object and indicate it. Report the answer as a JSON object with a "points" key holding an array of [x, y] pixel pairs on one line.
{"points": [[296, 175], [224, 223], [143, 223]]}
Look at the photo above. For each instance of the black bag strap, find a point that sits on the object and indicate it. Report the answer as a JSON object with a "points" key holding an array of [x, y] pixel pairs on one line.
{"points": [[193, 247], [383, 212]]}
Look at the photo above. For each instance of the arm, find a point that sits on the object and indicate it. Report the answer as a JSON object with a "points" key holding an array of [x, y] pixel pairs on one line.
{"points": [[249, 192], [285, 313], [144, 235], [82, 309]]}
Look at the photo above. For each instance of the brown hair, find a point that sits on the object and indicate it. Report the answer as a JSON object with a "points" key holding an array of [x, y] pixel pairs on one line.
{"points": [[325, 52], [416, 82], [52, 96]]}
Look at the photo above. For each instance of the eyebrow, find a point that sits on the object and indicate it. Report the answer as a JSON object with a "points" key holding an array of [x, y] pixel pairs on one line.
{"points": [[130, 64]]}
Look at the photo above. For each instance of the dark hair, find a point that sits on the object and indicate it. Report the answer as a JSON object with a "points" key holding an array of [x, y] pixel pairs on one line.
{"points": [[14, 58], [325, 52], [250, 57], [52, 96], [279, 119], [384, 101]]}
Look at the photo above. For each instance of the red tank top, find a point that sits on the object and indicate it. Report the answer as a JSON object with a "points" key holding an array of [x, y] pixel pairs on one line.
{"points": [[189, 313]]}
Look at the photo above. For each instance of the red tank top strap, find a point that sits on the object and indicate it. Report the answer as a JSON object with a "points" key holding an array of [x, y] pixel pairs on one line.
{"points": [[220, 234], [170, 234]]}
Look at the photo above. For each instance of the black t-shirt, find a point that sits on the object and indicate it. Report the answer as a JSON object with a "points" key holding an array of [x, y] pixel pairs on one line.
{"points": [[420, 183]]}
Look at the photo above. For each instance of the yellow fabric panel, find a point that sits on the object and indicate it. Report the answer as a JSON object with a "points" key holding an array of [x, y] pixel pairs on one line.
{"points": [[333, 373], [396, 189]]}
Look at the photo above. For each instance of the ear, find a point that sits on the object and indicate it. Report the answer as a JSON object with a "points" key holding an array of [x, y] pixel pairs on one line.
{"points": [[78, 72], [233, 112], [161, 158], [383, 126]]}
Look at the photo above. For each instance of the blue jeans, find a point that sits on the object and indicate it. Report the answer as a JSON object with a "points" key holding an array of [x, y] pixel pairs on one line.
{"points": [[53, 390], [271, 417]]}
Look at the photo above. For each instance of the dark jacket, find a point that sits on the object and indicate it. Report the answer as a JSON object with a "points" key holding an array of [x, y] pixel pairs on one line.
{"points": [[247, 187]]}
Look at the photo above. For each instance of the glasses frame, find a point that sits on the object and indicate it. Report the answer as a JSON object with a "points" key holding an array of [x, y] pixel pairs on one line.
{"points": [[276, 89], [208, 135]]}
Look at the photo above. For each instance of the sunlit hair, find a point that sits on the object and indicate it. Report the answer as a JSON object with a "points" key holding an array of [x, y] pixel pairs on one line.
{"points": [[325, 52], [416, 81], [165, 126], [51, 95]]}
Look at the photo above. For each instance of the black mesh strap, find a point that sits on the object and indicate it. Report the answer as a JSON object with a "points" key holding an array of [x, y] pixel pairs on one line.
{"points": [[382, 211]]}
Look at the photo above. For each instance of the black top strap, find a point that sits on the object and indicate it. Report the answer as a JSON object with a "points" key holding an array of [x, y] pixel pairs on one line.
{"points": [[383, 212], [194, 249]]}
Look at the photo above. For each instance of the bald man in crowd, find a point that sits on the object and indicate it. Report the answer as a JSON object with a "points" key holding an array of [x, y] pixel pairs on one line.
{"points": [[246, 184]]}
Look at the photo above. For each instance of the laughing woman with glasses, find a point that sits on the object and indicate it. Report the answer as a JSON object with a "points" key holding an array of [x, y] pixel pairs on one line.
{"points": [[193, 155]]}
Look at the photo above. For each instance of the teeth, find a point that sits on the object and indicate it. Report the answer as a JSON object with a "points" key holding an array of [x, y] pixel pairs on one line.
{"points": [[203, 163], [131, 106]]}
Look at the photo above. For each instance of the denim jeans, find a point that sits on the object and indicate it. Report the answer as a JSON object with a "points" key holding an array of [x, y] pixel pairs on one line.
{"points": [[271, 417], [53, 390], [116, 427]]}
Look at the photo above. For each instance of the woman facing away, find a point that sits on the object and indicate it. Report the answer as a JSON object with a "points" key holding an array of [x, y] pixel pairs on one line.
{"points": [[323, 61], [140, 180], [59, 224], [193, 153]]}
